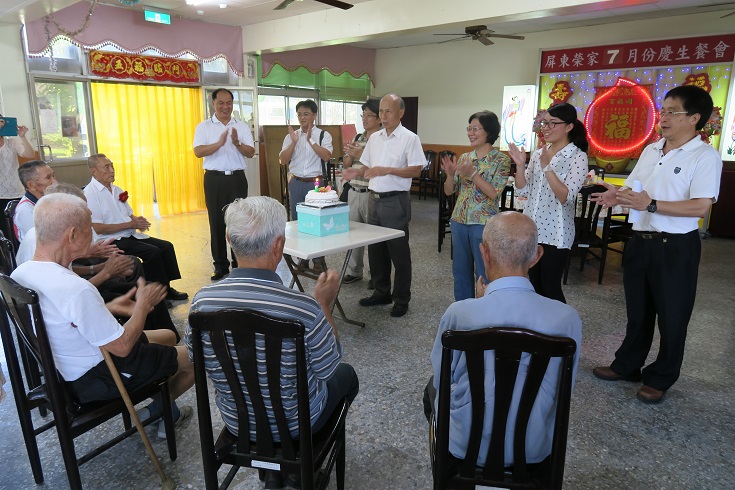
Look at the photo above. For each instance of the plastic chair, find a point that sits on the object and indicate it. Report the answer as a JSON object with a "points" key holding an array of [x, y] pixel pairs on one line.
{"points": [[311, 456], [9, 217], [20, 310], [509, 344]]}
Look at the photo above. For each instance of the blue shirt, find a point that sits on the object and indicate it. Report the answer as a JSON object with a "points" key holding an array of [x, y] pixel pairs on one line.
{"points": [[261, 290], [508, 302]]}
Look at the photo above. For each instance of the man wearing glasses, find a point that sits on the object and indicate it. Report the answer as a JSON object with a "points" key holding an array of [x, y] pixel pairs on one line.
{"points": [[680, 175], [303, 151]]}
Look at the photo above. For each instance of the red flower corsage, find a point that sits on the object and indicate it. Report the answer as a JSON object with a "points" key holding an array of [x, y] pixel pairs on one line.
{"points": [[123, 196]]}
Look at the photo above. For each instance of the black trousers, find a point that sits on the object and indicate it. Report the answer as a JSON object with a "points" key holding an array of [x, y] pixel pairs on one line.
{"points": [[660, 280], [391, 212], [219, 191], [158, 256], [546, 275]]}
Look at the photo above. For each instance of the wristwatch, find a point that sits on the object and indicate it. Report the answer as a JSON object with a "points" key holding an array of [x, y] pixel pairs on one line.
{"points": [[652, 207]]}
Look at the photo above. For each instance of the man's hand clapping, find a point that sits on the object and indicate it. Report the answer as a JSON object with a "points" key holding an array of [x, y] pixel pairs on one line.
{"points": [[103, 249], [139, 223], [119, 266], [326, 288]]}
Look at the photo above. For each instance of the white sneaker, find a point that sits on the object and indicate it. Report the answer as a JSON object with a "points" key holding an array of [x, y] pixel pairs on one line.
{"points": [[185, 414]]}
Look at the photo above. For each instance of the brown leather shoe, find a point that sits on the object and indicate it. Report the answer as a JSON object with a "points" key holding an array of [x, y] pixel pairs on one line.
{"points": [[650, 395], [607, 374]]}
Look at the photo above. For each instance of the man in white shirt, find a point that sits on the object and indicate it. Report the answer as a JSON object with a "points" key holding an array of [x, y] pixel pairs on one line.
{"points": [[224, 143], [112, 217], [35, 176], [304, 151], [681, 179], [392, 157]]}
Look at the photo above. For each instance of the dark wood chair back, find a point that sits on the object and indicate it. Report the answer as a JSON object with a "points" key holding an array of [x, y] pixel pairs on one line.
{"points": [[446, 203], [9, 212], [7, 256], [235, 335], [509, 344], [20, 311]]}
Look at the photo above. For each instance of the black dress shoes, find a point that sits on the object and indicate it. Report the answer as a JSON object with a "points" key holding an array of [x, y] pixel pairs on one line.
{"points": [[174, 295], [398, 310], [219, 274], [376, 299]]}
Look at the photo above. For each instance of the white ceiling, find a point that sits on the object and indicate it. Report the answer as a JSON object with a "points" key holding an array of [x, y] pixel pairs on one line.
{"points": [[248, 12]]}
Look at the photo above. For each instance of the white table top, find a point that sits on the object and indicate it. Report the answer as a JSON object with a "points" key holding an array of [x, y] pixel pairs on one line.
{"points": [[306, 246]]}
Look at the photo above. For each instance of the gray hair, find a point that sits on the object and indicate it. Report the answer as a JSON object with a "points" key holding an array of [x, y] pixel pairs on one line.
{"points": [[28, 171], [95, 159], [512, 238], [65, 188], [56, 213], [253, 224]]}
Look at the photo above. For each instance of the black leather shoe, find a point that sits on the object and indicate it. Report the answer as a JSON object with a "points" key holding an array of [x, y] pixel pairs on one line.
{"points": [[398, 310], [370, 284], [174, 295], [168, 304], [376, 299], [219, 274], [348, 279]]}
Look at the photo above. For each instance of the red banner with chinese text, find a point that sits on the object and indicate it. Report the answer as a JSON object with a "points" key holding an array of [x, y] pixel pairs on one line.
{"points": [[687, 51], [122, 65], [620, 120]]}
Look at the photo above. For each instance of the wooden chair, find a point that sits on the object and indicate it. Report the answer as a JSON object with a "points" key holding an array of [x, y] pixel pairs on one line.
{"points": [[507, 198], [426, 181], [9, 217], [7, 256], [311, 456], [509, 344], [20, 311], [446, 205], [283, 169]]}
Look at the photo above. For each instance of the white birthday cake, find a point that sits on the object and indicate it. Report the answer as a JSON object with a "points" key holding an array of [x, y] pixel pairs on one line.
{"points": [[322, 196]]}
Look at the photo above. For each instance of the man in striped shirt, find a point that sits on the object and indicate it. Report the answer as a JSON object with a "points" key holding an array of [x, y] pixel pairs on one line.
{"points": [[256, 232]]}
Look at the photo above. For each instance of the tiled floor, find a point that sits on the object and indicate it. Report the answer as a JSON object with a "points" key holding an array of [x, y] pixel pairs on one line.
{"points": [[615, 442]]}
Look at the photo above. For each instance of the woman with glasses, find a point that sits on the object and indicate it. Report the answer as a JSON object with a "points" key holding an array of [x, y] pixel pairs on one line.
{"points": [[551, 182], [480, 177]]}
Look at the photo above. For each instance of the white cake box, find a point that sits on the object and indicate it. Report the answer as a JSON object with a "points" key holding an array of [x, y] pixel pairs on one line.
{"points": [[323, 220]]}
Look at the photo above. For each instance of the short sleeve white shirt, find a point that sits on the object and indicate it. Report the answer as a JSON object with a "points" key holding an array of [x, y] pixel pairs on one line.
{"points": [[401, 149], [27, 247], [228, 157], [76, 318], [555, 220], [304, 160], [691, 171], [23, 219], [108, 209]]}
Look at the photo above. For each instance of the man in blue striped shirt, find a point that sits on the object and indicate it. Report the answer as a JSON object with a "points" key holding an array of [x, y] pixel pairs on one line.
{"points": [[256, 232]]}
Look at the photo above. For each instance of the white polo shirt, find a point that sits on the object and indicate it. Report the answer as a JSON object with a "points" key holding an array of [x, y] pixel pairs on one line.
{"points": [[108, 209], [689, 172], [227, 158], [304, 160], [399, 150]]}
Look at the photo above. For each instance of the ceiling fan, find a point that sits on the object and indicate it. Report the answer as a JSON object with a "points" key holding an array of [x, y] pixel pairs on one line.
{"points": [[479, 33], [332, 3]]}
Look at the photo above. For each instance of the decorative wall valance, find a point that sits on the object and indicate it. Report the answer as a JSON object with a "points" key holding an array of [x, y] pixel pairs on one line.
{"points": [[336, 59], [138, 67], [126, 30]]}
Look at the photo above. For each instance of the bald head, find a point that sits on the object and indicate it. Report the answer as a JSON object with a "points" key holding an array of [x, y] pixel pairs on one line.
{"points": [[55, 214], [392, 108], [512, 240]]}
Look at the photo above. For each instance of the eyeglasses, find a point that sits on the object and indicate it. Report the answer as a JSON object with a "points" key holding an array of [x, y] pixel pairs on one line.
{"points": [[304, 114], [365, 115], [550, 124], [473, 129], [662, 114]]}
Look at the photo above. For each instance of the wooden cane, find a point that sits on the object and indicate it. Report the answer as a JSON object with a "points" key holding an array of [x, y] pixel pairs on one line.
{"points": [[166, 482]]}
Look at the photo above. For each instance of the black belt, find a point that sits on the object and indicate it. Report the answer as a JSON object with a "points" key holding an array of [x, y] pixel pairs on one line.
{"points": [[387, 194], [224, 172], [307, 179], [361, 190], [652, 235]]}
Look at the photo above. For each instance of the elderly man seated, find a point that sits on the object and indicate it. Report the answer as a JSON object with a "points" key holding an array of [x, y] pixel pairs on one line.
{"points": [[79, 322], [112, 217], [256, 231], [35, 176], [509, 249]]}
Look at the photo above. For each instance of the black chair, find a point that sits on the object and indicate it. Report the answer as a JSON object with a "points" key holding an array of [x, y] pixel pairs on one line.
{"points": [[509, 345], [429, 184], [284, 188], [507, 198], [446, 205], [20, 311], [9, 216], [586, 236], [7, 256], [311, 456]]}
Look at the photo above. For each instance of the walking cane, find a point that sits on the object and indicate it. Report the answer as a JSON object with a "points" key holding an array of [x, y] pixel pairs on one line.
{"points": [[166, 482]]}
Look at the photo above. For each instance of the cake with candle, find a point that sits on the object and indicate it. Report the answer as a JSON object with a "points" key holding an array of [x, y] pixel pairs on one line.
{"points": [[322, 196]]}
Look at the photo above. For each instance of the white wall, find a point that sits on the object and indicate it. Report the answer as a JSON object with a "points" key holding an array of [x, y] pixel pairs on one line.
{"points": [[454, 80], [13, 83]]}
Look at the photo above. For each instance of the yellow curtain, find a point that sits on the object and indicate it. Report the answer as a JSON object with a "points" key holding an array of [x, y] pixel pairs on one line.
{"points": [[147, 132]]}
